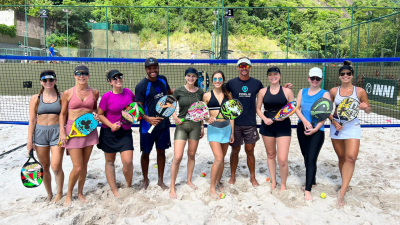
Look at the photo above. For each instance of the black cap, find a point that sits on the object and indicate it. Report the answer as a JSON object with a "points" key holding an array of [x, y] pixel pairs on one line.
{"points": [[47, 74], [150, 62], [113, 73], [81, 68]]}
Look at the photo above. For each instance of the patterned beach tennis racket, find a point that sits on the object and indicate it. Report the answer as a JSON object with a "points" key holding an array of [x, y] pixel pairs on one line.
{"points": [[286, 110], [230, 110], [321, 110], [132, 113], [165, 108], [200, 79], [32, 172], [347, 111], [207, 81], [82, 126], [197, 112]]}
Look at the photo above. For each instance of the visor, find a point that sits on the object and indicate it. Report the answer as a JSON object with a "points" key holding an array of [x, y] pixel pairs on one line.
{"points": [[244, 60]]}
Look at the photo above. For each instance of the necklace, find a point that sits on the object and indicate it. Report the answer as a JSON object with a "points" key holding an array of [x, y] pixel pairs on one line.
{"points": [[190, 100]]}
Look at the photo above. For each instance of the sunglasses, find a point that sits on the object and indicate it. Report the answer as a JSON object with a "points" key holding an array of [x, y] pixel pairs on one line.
{"points": [[117, 77], [245, 66], [50, 80], [78, 74], [348, 74], [218, 79], [315, 78]]}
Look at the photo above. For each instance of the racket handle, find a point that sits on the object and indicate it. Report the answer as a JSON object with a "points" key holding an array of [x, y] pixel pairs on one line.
{"points": [[337, 133], [182, 120], [151, 129]]}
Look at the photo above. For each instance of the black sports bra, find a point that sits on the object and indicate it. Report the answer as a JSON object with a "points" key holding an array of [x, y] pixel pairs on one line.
{"points": [[213, 103]]}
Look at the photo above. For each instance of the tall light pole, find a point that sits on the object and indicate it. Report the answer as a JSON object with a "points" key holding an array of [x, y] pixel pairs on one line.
{"points": [[308, 43], [369, 13], [130, 45], [382, 52], [26, 27], [93, 22], [119, 32], [67, 12], [295, 47], [79, 48], [65, 45], [216, 32], [214, 48]]}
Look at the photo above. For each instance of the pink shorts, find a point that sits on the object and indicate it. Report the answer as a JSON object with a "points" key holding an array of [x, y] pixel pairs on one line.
{"points": [[80, 142]]}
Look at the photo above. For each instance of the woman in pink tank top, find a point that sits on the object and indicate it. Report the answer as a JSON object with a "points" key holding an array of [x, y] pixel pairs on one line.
{"points": [[76, 101]]}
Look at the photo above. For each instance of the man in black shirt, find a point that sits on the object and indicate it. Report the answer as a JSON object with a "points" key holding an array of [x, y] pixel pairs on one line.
{"points": [[245, 89], [147, 92]]}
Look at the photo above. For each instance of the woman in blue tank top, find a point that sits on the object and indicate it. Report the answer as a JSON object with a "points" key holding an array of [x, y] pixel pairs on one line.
{"points": [[310, 139], [347, 143]]}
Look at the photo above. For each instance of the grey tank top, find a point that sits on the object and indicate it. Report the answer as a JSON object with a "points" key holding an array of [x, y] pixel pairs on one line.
{"points": [[49, 108]]}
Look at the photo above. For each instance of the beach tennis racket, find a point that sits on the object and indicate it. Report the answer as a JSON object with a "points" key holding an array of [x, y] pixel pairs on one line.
{"points": [[321, 110], [82, 126], [197, 112], [165, 108], [32, 172], [347, 111], [230, 110], [200, 79], [132, 113], [286, 110]]}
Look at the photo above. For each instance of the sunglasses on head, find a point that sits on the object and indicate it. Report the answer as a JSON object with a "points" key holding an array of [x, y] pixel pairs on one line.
{"points": [[50, 80], [245, 66], [117, 77], [217, 79], [78, 74], [347, 73], [315, 78]]}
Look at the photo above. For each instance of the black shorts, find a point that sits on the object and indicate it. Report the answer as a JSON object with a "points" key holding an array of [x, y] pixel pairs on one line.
{"points": [[277, 129], [117, 141]]}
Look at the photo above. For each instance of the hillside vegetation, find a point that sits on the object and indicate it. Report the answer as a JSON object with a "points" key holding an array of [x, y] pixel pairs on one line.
{"points": [[251, 29]]}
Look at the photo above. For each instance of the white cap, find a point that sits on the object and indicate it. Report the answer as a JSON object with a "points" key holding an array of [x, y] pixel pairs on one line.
{"points": [[243, 60], [315, 72]]}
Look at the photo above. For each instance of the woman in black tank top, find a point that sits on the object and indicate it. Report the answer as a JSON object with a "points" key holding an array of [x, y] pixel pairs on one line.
{"points": [[276, 133], [219, 131]]}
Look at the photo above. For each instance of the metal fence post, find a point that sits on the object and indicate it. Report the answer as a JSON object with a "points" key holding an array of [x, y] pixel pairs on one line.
{"points": [[287, 39]]}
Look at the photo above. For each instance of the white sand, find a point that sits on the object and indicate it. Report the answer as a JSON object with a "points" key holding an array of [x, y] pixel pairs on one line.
{"points": [[374, 198]]}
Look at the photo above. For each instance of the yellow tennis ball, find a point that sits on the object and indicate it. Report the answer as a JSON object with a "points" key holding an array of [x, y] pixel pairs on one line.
{"points": [[222, 196], [323, 195], [155, 166]]}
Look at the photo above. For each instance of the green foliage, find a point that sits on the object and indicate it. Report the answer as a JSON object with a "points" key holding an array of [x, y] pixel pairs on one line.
{"points": [[8, 30], [307, 26]]}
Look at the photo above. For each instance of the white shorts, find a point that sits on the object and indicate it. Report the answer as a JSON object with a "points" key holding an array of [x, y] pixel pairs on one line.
{"points": [[351, 130]]}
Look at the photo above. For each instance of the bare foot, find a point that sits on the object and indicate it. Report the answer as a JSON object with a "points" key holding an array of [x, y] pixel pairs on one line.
{"points": [[57, 198], [116, 193], [232, 180], [49, 197], [283, 187], [194, 187], [254, 182], [172, 194], [340, 200], [214, 195], [303, 188], [307, 195], [273, 185], [82, 198], [68, 201], [163, 186], [220, 186], [145, 184]]}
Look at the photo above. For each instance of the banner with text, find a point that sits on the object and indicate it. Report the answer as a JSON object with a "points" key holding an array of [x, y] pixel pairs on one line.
{"points": [[381, 90]]}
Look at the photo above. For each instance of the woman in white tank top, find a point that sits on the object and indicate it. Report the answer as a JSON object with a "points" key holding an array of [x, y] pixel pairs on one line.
{"points": [[347, 143]]}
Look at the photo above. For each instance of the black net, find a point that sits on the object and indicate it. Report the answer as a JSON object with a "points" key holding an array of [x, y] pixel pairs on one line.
{"points": [[20, 80]]}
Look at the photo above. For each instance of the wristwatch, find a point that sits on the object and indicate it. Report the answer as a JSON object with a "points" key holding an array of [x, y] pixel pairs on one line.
{"points": [[332, 120]]}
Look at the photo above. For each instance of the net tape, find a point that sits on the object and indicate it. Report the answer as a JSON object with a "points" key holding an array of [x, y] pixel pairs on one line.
{"points": [[15, 70]]}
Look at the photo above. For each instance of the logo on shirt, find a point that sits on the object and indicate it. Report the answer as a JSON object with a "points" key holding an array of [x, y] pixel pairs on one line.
{"points": [[245, 89], [158, 89]]}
